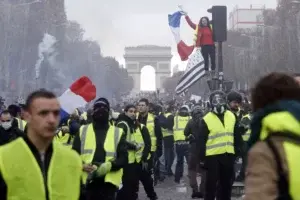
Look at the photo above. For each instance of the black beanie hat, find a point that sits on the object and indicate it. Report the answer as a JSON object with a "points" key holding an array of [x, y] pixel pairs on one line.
{"points": [[102, 101]]}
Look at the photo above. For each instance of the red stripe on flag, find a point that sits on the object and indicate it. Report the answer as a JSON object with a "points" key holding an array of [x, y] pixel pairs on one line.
{"points": [[184, 50], [84, 88]]}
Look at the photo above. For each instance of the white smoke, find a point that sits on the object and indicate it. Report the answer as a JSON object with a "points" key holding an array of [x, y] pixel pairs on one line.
{"points": [[46, 48]]}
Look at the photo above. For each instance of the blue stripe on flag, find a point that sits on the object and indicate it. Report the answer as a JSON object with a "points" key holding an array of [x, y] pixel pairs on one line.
{"points": [[64, 116], [174, 19]]}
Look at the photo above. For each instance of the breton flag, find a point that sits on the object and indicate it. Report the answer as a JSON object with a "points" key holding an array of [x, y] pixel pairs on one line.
{"points": [[81, 92], [194, 71], [183, 50]]}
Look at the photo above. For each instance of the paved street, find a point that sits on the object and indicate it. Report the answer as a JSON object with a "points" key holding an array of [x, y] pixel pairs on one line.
{"points": [[169, 190]]}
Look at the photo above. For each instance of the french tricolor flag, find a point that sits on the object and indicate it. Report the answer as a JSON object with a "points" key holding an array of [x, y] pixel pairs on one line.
{"points": [[184, 50], [78, 95]]}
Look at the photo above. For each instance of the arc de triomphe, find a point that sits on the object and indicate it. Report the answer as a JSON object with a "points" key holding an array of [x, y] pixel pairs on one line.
{"points": [[156, 56]]}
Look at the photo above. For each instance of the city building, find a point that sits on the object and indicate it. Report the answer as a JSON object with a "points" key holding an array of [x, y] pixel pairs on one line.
{"points": [[246, 18]]}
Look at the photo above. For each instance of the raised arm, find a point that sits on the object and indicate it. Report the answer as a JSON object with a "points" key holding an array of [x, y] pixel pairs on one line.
{"points": [[189, 21]]}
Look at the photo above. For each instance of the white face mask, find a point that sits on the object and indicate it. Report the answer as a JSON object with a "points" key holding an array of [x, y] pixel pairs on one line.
{"points": [[6, 125]]}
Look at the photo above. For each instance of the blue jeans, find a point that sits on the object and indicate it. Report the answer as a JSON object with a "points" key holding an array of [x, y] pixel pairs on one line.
{"points": [[182, 151]]}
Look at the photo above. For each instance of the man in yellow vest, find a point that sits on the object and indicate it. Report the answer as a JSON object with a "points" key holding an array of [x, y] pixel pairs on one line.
{"points": [[168, 139], [181, 144], [219, 127], [245, 124], [67, 130], [103, 151], [34, 167], [139, 145], [16, 113], [154, 129]]}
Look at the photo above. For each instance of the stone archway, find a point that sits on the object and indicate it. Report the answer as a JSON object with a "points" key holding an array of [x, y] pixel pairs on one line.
{"points": [[156, 56]]}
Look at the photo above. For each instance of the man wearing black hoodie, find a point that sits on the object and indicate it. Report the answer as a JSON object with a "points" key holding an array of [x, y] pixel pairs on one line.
{"points": [[103, 151], [139, 145]]}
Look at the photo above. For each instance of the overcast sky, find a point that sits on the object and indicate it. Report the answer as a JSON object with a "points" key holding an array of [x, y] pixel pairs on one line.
{"points": [[116, 24]]}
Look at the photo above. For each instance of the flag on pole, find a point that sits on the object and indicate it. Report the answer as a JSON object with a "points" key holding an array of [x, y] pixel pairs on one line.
{"points": [[174, 22], [78, 95], [194, 71]]}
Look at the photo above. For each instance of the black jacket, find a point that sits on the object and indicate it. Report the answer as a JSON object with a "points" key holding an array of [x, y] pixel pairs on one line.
{"points": [[9, 135], [44, 166], [99, 156], [205, 132], [133, 127], [193, 128]]}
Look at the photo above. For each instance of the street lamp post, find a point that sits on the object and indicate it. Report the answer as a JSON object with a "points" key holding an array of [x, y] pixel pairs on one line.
{"points": [[220, 36]]}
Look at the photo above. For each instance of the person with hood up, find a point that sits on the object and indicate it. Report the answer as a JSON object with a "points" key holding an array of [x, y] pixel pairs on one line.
{"points": [[197, 145], [273, 164], [219, 127], [181, 144], [138, 145], [103, 151]]}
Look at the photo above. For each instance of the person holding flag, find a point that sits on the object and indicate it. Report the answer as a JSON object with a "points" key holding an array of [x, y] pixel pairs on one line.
{"points": [[197, 67], [203, 40]]}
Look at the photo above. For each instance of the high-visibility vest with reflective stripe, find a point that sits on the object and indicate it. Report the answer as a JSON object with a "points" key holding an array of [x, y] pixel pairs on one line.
{"points": [[150, 127], [88, 148], [220, 138], [246, 135], [24, 178], [179, 126], [21, 124], [271, 124], [64, 139], [129, 138], [138, 138], [167, 132]]}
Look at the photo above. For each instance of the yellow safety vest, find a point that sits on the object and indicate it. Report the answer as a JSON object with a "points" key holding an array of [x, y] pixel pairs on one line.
{"points": [[88, 147], [21, 124], [246, 136], [64, 139], [129, 138], [150, 127], [179, 126], [285, 122], [220, 138], [24, 178], [137, 138], [166, 132]]}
